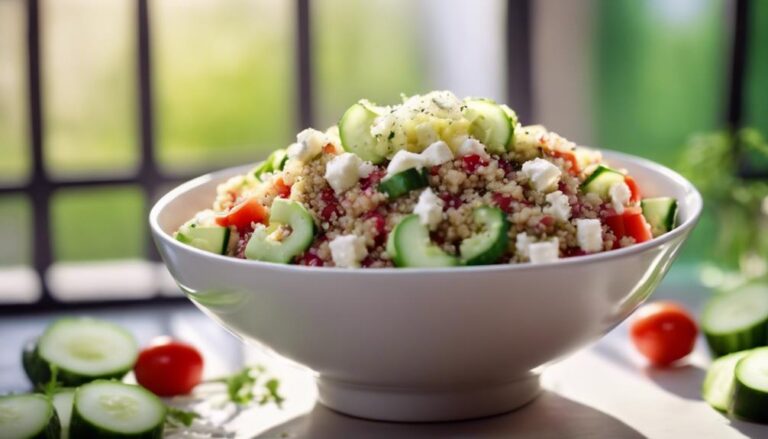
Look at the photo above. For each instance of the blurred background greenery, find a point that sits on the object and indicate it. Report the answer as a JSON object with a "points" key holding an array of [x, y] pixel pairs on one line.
{"points": [[652, 73]]}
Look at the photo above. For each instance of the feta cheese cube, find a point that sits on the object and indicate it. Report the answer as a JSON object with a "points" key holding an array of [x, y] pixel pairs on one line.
{"points": [[542, 174], [620, 195], [589, 235], [472, 147], [437, 154], [365, 169], [309, 144], [559, 207], [403, 161], [426, 134], [348, 250], [544, 251], [522, 241], [343, 171], [429, 208]]}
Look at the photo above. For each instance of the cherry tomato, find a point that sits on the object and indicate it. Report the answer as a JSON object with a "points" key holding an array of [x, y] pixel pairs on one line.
{"points": [[243, 214], [169, 368], [663, 332]]}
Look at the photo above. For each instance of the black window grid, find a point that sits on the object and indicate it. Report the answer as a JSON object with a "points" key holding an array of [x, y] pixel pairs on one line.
{"points": [[40, 186]]}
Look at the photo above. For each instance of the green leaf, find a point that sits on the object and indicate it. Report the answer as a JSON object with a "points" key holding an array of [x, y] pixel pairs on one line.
{"points": [[179, 416], [246, 387]]}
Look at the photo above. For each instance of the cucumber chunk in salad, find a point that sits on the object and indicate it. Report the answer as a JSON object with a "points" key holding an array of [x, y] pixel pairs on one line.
{"points": [[284, 214], [661, 214], [717, 388], [355, 132], [213, 239], [81, 350], [490, 124], [403, 182], [601, 180], [737, 320], [486, 246], [28, 416], [413, 247], [275, 162], [116, 410]]}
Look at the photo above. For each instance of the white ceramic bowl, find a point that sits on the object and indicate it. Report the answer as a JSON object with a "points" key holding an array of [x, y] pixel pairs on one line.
{"points": [[424, 344]]}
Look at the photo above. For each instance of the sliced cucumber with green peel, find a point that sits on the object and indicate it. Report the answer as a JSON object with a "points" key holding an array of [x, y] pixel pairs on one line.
{"points": [[489, 124], [63, 401], [81, 350], [213, 239], [275, 162], [283, 213], [486, 246], [661, 214], [737, 320], [750, 390], [110, 409], [413, 247], [717, 388], [601, 180], [28, 416], [403, 183], [355, 133]]}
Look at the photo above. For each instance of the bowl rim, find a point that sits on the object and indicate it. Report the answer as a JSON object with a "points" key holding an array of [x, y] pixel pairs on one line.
{"points": [[681, 229]]}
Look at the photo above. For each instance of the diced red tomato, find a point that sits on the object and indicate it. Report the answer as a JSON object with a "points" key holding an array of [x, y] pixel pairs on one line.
{"points": [[450, 200], [633, 189], [329, 148], [242, 215], [472, 162], [283, 190], [630, 223], [568, 156], [503, 201]]}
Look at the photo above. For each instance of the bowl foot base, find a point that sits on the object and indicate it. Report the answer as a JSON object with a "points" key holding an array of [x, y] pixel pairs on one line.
{"points": [[427, 405]]}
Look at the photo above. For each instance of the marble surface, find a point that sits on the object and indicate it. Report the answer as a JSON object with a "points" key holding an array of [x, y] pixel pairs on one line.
{"points": [[602, 391]]}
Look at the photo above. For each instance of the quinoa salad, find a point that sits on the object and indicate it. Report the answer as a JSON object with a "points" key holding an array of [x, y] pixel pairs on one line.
{"points": [[435, 181]]}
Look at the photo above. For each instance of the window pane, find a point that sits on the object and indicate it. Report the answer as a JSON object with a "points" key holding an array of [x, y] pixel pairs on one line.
{"points": [[96, 224], [89, 86], [757, 68], [224, 80], [15, 224], [14, 164], [660, 71], [364, 49]]}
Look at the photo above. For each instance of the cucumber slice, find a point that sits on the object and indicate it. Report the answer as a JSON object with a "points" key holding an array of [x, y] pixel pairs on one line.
{"points": [[28, 416], [413, 247], [391, 250], [355, 133], [82, 350], [717, 388], [489, 124], [737, 320], [403, 182], [661, 214], [750, 391], [283, 213], [110, 409], [63, 400], [275, 162], [601, 180], [486, 247], [213, 239]]}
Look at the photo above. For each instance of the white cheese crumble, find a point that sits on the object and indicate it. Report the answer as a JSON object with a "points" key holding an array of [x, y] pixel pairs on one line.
{"points": [[471, 147], [426, 134], [544, 251], [348, 250], [542, 174], [522, 241], [620, 195], [559, 207], [589, 235], [309, 144], [343, 171], [429, 208], [403, 161], [437, 154]]}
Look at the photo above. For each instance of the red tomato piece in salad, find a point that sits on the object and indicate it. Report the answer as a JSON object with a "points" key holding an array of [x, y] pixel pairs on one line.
{"points": [[630, 223], [244, 214], [634, 189]]}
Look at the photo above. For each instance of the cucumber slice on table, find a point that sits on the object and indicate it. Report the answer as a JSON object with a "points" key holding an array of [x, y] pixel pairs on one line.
{"points": [[213, 239], [283, 213], [110, 409], [750, 390], [601, 180], [737, 320], [661, 214], [82, 350], [63, 400], [403, 182], [355, 132], [487, 246], [28, 416], [717, 388], [413, 247], [490, 124]]}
